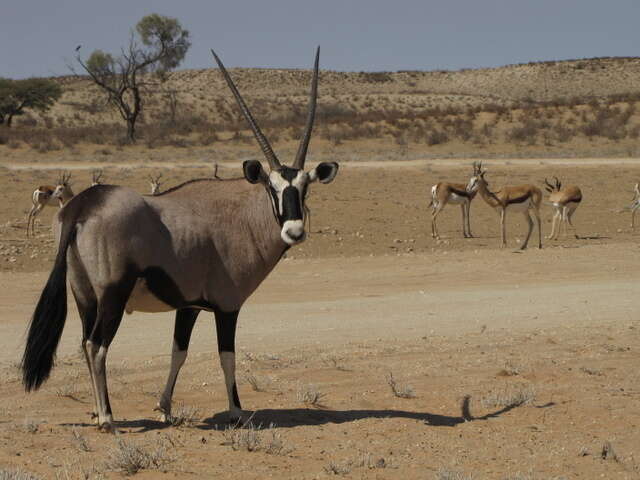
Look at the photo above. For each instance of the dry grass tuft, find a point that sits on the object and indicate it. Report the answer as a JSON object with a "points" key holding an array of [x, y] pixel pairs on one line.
{"points": [[523, 395], [400, 390], [258, 383], [80, 441], [446, 474], [608, 453], [184, 416], [130, 458], [30, 426], [254, 439], [17, 475], [331, 361], [364, 460], [310, 395]]}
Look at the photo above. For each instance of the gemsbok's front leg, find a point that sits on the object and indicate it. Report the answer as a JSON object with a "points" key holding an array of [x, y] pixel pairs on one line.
{"points": [[184, 323], [226, 331]]}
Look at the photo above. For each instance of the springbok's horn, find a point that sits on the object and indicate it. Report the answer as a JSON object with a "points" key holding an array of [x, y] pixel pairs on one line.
{"points": [[558, 183], [274, 163], [549, 186], [313, 96]]}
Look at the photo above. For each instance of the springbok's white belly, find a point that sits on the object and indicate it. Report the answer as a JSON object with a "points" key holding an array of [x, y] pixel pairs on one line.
{"points": [[142, 300], [456, 199], [520, 207]]}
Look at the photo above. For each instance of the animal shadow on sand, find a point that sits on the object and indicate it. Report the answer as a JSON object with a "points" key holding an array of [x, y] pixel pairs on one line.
{"points": [[299, 417]]}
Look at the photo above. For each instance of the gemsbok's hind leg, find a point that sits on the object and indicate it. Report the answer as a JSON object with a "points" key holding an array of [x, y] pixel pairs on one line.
{"points": [[185, 320], [110, 310], [226, 331], [88, 310]]}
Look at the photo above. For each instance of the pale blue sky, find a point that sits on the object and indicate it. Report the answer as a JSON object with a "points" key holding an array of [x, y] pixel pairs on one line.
{"points": [[38, 37]]}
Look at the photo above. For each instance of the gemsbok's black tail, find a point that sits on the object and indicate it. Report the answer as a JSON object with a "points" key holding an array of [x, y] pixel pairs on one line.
{"points": [[48, 319]]}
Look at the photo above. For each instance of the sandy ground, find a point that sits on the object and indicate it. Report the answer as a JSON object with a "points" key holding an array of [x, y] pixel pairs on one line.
{"points": [[522, 365]]}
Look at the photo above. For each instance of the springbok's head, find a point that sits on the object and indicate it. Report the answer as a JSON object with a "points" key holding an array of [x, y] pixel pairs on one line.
{"points": [[96, 177], [63, 188], [478, 177], [550, 188], [154, 184], [287, 186]]}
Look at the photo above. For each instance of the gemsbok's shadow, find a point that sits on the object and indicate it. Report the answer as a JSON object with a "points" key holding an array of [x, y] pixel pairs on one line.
{"points": [[298, 417]]}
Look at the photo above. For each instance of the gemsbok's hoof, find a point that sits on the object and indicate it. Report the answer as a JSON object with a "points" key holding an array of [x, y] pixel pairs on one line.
{"points": [[107, 427], [165, 414]]}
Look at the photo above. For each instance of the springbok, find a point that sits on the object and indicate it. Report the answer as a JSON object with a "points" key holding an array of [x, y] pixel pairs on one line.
{"points": [[635, 204], [522, 198], [48, 195], [206, 244], [454, 193], [96, 178], [154, 184], [564, 201]]}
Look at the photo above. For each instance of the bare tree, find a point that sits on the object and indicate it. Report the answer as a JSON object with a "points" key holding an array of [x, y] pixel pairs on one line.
{"points": [[158, 45]]}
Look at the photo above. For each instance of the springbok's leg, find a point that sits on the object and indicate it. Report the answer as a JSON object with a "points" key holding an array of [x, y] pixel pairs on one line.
{"points": [[503, 215], [570, 212], [226, 330], [463, 208], [554, 222], [527, 215], [536, 213], [185, 320], [633, 216], [434, 214], [31, 219], [110, 310], [468, 207]]}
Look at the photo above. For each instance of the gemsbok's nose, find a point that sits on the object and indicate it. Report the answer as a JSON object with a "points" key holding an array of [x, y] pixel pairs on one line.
{"points": [[293, 231]]}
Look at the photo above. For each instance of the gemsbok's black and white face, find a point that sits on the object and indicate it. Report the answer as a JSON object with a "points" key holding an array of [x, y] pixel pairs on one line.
{"points": [[288, 188]]}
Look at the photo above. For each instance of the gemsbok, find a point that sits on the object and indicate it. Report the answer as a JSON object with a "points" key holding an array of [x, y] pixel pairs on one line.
{"points": [[206, 244], [635, 204], [520, 198], [48, 195], [443, 193], [564, 201]]}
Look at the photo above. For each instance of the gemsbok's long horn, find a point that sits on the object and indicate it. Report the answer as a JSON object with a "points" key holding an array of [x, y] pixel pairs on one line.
{"points": [[274, 163], [313, 96]]}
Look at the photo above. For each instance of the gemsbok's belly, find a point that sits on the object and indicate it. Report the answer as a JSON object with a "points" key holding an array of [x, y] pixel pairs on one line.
{"points": [[142, 300]]}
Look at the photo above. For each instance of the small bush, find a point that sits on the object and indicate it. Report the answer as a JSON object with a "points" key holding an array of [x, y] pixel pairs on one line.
{"points": [[130, 458], [398, 389]]}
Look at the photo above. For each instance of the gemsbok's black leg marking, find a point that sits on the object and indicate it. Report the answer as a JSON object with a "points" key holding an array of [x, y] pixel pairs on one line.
{"points": [[226, 323], [184, 323]]}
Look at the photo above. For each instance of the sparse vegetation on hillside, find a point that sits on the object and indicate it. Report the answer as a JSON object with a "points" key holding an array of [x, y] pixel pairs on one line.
{"points": [[566, 108]]}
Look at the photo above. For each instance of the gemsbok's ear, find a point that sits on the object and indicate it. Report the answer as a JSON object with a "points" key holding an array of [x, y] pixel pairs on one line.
{"points": [[325, 172], [253, 171]]}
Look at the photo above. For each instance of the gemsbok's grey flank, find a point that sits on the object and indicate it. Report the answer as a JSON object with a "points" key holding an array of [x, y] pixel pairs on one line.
{"points": [[204, 245]]}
